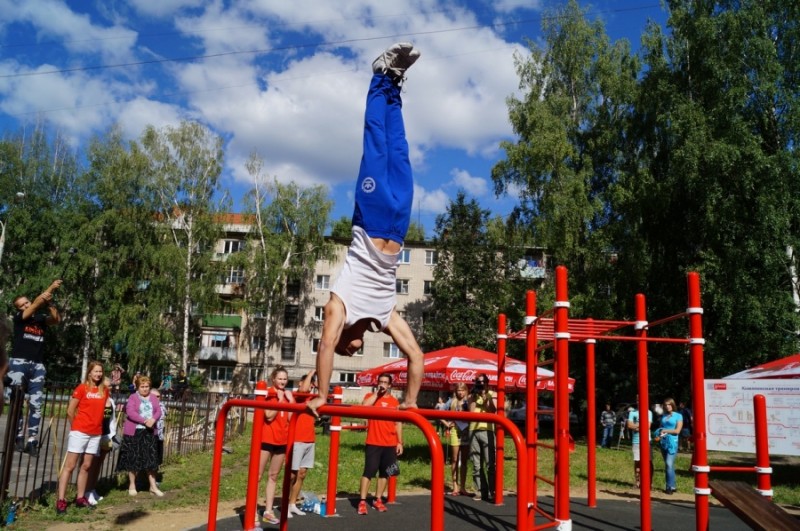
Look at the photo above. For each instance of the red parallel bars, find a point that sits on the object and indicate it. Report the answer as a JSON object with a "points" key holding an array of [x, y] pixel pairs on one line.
{"points": [[561, 335], [437, 459], [333, 455], [250, 506], [700, 457], [644, 413], [591, 422], [762, 446], [501, 403], [531, 394]]}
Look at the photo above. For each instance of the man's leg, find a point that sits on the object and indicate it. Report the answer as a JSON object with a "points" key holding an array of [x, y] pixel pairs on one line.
{"points": [[489, 458], [475, 457], [36, 393]]}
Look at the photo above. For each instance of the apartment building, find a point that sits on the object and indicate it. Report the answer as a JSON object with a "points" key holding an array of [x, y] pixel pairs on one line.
{"points": [[237, 349]]}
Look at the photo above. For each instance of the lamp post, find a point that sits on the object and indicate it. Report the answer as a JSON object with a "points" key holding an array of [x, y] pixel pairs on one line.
{"points": [[19, 197]]}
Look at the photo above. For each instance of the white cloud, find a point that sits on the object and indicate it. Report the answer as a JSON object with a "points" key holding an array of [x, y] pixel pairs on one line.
{"points": [[163, 8], [432, 202], [474, 186]]}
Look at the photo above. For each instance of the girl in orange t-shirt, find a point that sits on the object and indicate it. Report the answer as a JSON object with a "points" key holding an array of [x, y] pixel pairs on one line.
{"points": [[85, 413], [274, 436]]}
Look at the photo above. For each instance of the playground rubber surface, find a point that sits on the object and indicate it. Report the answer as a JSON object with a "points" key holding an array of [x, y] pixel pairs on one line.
{"points": [[412, 512]]}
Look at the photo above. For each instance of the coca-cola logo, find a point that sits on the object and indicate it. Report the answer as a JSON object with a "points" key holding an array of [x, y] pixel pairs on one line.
{"points": [[467, 375], [523, 380]]}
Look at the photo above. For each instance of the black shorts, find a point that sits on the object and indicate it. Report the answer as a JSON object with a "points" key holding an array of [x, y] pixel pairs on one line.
{"points": [[274, 449], [378, 459]]}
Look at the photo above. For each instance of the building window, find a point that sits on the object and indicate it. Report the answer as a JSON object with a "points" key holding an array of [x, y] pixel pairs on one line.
{"points": [[323, 282], [219, 340], [259, 313], [431, 257], [319, 313], [405, 256], [259, 343], [218, 373], [234, 275], [293, 289], [347, 377], [314, 345], [390, 350], [253, 374], [427, 287], [233, 246], [290, 313], [287, 348], [401, 286]]}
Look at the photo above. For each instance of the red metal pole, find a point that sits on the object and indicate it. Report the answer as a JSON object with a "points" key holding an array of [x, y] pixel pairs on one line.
{"points": [[531, 395], [700, 457], [501, 405], [251, 502], [591, 422], [644, 413], [333, 456], [763, 469], [561, 335]]}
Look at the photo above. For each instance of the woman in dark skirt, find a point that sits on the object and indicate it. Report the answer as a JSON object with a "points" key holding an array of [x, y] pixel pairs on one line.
{"points": [[139, 445]]}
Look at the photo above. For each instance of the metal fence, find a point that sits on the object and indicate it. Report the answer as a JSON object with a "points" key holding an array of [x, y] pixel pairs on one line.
{"points": [[189, 427]]}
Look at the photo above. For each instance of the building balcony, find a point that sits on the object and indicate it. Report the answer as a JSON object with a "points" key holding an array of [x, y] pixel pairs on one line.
{"points": [[217, 354]]}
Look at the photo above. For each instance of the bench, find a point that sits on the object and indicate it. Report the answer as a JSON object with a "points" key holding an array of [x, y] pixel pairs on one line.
{"points": [[751, 507]]}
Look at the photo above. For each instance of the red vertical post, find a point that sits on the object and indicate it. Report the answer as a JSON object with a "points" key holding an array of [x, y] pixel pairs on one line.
{"points": [[531, 395], [391, 490], [591, 422], [499, 461], [644, 412], [763, 469], [700, 458], [333, 458], [561, 334], [251, 503]]}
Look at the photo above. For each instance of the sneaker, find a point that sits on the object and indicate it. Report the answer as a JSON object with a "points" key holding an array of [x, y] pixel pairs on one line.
{"points": [[83, 503], [378, 505], [19, 444], [362, 507], [396, 60], [94, 498], [61, 507], [32, 448], [294, 510], [269, 517]]}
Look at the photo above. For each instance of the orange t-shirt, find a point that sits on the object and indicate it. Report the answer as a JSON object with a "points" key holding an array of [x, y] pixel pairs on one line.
{"points": [[304, 430], [89, 413], [383, 432], [276, 431]]}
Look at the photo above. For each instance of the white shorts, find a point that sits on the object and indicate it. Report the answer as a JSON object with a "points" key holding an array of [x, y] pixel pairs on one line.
{"points": [[303, 455], [637, 452], [80, 443]]}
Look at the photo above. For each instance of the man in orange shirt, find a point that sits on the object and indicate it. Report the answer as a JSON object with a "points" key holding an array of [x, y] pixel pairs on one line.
{"points": [[384, 444]]}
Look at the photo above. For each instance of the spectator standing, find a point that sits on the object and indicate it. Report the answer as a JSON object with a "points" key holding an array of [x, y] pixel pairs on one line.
{"points": [[181, 384], [274, 437], [139, 448], [607, 420], [160, 428], [116, 378], [85, 414], [166, 386], [26, 366], [441, 406], [303, 451], [482, 442], [459, 440], [667, 436], [686, 431], [383, 445], [633, 425]]}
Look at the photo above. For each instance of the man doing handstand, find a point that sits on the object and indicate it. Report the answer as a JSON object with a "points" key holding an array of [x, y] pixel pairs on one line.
{"points": [[364, 297]]}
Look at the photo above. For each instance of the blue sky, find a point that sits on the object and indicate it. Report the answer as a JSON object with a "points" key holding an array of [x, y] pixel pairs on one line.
{"points": [[286, 79]]}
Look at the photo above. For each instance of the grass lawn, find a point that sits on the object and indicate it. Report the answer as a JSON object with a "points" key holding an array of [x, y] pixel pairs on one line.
{"points": [[186, 479]]}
